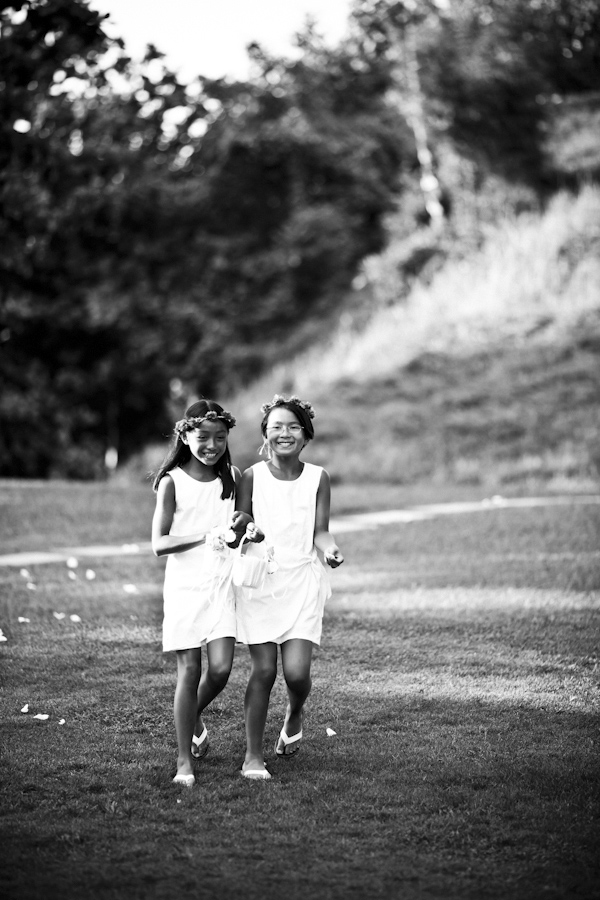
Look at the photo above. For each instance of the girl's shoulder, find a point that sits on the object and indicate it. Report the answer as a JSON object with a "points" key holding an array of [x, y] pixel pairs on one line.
{"points": [[314, 473], [255, 470], [317, 477], [166, 485], [311, 467]]}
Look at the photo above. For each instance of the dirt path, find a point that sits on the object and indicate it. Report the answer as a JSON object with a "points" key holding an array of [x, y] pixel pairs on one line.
{"points": [[339, 525]]}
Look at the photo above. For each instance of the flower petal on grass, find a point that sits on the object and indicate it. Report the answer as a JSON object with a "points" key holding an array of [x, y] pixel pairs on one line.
{"points": [[24, 573], [58, 615], [31, 586], [72, 576], [25, 709], [75, 618], [2, 636], [90, 574], [72, 562], [61, 722], [23, 619], [130, 589], [331, 732], [41, 716]]}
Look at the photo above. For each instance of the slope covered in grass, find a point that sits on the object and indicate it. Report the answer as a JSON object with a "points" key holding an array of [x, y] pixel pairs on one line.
{"points": [[489, 375]]}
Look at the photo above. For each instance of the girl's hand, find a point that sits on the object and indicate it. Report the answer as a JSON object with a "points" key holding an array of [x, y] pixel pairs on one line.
{"points": [[240, 521], [254, 533], [333, 557]]}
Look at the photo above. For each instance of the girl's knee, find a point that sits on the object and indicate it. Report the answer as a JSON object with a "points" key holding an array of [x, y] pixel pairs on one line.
{"points": [[219, 673], [298, 683], [188, 670], [264, 674]]}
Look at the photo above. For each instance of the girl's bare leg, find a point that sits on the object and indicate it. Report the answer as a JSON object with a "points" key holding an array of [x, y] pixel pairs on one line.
{"points": [[296, 658], [256, 702], [185, 706], [219, 654]]}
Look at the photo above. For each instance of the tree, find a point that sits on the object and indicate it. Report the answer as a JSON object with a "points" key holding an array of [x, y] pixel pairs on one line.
{"points": [[154, 231]]}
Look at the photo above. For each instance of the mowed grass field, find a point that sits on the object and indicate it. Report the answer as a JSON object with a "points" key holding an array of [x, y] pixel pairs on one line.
{"points": [[459, 670]]}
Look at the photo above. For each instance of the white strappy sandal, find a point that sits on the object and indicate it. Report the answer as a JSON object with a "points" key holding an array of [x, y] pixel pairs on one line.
{"points": [[256, 774], [294, 739], [200, 744], [187, 781]]}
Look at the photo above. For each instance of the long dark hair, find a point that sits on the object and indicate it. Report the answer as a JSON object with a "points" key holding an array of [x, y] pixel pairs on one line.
{"points": [[179, 453]]}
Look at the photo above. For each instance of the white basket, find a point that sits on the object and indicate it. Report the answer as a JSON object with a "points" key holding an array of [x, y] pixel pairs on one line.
{"points": [[249, 571]]}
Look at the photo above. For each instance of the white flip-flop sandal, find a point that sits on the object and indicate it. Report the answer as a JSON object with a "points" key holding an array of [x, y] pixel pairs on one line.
{"points": [[200, 744], [294, 739], [187, 781], [256, 774]]}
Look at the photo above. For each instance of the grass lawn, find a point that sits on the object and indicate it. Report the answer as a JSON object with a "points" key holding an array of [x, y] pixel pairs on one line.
{"points": [[459, 670]]}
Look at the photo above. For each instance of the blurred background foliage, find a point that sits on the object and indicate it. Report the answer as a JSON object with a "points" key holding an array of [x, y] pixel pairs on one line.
{"points": [[161, 240]]}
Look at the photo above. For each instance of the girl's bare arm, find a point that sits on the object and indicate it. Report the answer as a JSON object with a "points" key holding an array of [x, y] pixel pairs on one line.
{"points": [[163, 542], [324, 540], [244, 507]]}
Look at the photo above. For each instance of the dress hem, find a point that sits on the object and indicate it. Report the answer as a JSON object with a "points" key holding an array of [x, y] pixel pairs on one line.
{"points": [[279, 641], [202, 643]]}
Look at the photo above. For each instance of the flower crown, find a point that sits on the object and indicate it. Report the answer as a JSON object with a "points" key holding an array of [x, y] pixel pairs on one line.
{"points": [[192, 422], [279, 400]]}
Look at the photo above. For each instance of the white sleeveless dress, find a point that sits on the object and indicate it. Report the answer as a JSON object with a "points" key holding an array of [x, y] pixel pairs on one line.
{"points": [[292, 601], [199, 603]]}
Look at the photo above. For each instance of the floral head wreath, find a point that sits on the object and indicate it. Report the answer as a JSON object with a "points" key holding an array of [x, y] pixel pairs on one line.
{"points": [[212, 415], [279, 400]]}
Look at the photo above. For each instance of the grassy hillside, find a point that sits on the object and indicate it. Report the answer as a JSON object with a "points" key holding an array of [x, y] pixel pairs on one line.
{"points": [[488, 376]]}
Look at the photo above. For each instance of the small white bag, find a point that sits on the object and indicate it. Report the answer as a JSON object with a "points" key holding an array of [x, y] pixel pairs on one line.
{"points": [[251, 571]]}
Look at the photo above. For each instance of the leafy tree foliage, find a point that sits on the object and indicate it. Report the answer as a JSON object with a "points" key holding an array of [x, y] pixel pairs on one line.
{"points": [[488, 67], [154, 231], [77, 348]]}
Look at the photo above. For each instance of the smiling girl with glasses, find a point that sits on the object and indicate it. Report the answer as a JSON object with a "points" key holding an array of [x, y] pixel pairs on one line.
{"points": [[290, 500]]}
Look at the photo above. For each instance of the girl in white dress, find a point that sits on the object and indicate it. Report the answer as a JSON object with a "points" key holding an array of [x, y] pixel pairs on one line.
{"points": [[194, 523], [290, 500]]}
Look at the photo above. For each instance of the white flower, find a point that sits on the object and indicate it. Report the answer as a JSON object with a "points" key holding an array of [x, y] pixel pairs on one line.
{"points": [[72, 576], [58, 615], [75, 618], [90, 574], [42, 716], [24, 573], [2, 636], [31, 586], [25, 709], [23, 619], [61, 722], [72, 562], [331, 732], [130, 589], [217, 539]]}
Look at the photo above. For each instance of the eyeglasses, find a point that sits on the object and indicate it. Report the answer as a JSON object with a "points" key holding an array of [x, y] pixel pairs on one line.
{"points": [[278, 428]]}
